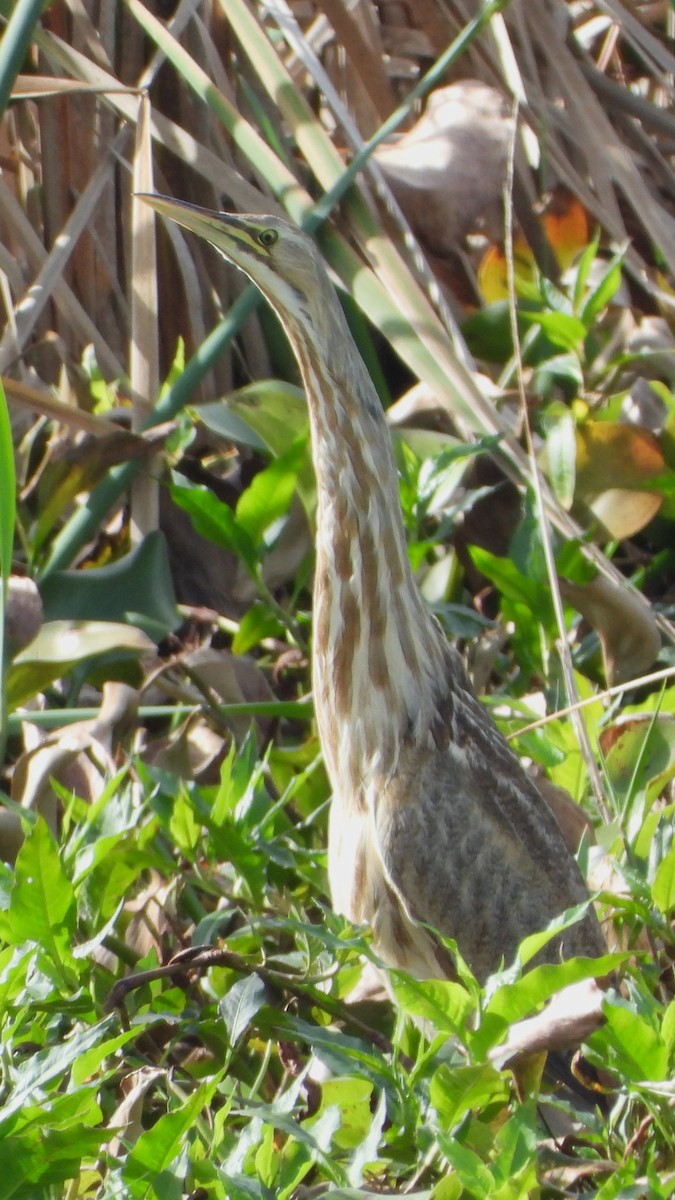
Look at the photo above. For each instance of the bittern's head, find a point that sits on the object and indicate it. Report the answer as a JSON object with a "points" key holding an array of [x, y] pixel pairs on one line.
{"points": [[277, 256]]}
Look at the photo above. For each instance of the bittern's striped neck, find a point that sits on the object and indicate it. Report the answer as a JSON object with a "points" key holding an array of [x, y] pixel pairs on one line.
{"points": [[376, 650]]}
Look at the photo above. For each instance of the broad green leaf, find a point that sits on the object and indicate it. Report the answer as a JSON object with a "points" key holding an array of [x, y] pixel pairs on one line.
{"points": [[258, 622], [221, 419], [63, 642], [516, 1146], [269, 413], [455, 1091], [266, 1159], [269, 495], [46, 1066], [215, 520], [516, 1000], [136, 589], [509, 580], [38, 1158], [241, 1004], [640, 1053], [562, 329], [42, 905], [353, 1097], [367, 1154], [445, 1003], [645, 741], [663, 887], [158, 1147], [474, 1174]]}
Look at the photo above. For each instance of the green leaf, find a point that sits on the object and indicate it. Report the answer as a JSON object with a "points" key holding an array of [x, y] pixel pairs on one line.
{"points": [[270, 493], [446, 1004], [516, 1000], [59, 645], [215, 520], [42, 904], [46, 1066], [269, 413], [562, 329], [663, 887], [260, 621], [241, 1004], [160, 1146], [507, 578], [640, 1053], [137, 590], [455, 1091], [561, 456], [475, 1176], [516, 1146], [605, 289]]}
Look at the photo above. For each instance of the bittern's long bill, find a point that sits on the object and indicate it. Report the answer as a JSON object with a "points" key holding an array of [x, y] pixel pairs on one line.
{"points": [[434, 822]]}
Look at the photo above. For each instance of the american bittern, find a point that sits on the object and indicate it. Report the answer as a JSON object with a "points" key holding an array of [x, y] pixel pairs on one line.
{"points": [[434, 822]]}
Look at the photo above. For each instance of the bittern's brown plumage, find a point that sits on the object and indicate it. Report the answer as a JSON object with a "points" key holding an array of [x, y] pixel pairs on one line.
{"points": [[434, 822]]}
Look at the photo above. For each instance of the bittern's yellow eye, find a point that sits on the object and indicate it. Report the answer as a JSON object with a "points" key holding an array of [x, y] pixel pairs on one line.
{"points": [[268, 237]]}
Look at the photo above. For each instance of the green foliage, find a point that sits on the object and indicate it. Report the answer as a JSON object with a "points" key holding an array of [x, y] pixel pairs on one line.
{"points": [[244, 1071]]}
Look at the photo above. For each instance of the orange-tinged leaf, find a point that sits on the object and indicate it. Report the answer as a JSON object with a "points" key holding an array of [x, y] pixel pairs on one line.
{"points": [[614, 462], [567, 230], [566, 226], [493, 275]]}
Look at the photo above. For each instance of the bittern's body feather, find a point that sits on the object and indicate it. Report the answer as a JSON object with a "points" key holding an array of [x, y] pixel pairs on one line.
{"points": [[434, 821]]}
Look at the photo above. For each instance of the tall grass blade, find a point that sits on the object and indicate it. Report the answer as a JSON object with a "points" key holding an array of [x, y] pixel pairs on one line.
{"points": [[7, 512]]}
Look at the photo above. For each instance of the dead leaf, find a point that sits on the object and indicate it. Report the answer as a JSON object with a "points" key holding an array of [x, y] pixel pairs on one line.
{"points": [[78, 757], [24, 613], [623, 621], [447, 172]]}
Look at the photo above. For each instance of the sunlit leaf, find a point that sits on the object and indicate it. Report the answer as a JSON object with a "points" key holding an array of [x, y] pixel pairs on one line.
{"points": [[615, 463], [241, 1004], [663, 887]]}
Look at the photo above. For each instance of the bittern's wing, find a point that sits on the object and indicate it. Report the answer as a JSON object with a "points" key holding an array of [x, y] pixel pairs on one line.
{"points": [[470, 847]]}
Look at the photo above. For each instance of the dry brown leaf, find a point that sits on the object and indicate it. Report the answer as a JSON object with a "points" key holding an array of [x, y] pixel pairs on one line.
{"points": [[23, 614], [570, 1017], [78, 757], [447, 172], [126, 1120], [624, 623]]}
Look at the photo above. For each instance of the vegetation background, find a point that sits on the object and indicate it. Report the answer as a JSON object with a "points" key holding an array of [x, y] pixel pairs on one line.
{"points": [[180, 1012]]}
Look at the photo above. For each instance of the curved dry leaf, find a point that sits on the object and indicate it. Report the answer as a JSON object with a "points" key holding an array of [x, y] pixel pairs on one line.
{"points": [[568, 1019], [447, 172], [624, 622], [127, 1120], [24, 613]]}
